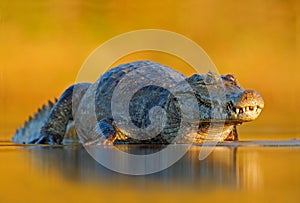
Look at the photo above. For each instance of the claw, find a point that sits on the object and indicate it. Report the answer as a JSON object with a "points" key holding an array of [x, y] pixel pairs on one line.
{"points": [[101, 141], [106, 142]]}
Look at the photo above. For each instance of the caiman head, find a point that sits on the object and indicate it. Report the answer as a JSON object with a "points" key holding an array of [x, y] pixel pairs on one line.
{"points": [[222, 99]]}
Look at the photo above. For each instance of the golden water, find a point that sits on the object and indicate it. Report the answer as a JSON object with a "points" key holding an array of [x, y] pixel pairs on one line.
{"points": [[230, 174]]}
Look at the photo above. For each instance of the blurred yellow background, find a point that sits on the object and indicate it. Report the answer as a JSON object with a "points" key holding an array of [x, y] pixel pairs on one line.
{"points": [[44, 43]]}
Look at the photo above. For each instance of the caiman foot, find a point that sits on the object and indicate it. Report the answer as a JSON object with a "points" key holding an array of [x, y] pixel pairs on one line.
{"points": [[101, 141], [105, 132], [48, 139], [233, 135]]}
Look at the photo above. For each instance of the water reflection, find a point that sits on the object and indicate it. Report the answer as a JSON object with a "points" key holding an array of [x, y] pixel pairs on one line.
{"points": [[222, 169]]}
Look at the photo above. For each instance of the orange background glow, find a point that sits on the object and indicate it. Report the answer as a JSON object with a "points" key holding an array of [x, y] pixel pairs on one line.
{"points": [[44, 43]]}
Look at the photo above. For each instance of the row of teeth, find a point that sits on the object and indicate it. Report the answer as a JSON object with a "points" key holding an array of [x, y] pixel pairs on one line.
{"points": [[246, 109]]}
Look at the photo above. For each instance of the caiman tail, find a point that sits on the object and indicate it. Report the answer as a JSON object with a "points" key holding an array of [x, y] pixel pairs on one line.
{"points": [[53, 119], [32, 127]]}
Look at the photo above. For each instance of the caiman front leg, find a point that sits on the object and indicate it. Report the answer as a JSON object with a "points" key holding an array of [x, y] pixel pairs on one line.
{"points": [[105, 133], [233, 135], [54, 129]]}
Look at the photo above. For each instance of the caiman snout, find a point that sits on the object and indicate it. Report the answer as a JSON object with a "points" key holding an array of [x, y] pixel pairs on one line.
{"points": [[248, 105]]}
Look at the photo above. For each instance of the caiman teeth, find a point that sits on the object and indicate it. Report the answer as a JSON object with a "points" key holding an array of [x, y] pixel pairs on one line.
{"points": [[240, 110]]}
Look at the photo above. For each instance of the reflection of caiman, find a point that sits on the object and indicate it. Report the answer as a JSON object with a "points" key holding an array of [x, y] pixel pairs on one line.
{"points": [[222, 169], [50, 124]]}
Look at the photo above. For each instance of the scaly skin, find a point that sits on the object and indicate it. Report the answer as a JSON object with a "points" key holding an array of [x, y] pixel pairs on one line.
{"points": [[237, 106]]}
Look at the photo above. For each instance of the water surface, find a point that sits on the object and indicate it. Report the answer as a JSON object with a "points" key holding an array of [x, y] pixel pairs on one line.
{"points": [[256, 171]]}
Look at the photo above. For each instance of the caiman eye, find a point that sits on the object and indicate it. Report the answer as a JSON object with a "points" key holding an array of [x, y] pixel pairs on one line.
{"points": [[230, 77]]}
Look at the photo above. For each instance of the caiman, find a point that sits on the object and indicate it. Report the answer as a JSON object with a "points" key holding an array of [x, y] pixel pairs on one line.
{"points": [[55, 121]]}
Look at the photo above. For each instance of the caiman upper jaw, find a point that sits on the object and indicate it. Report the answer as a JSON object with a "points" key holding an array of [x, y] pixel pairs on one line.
{"points": [[248, 106]]}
